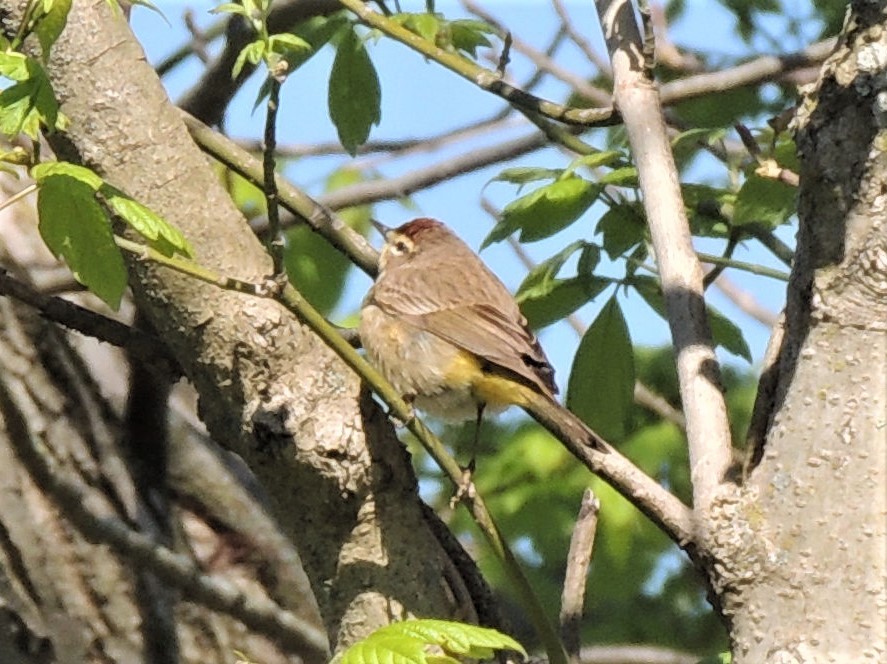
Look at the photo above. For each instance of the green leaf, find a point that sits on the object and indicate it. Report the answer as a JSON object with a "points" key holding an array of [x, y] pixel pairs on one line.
{"points": [[41, 172], [409, 642], [74, 227], [50, 25], [626, 176], [252, 53], [541, 278], [467, 35], [30, 103], [601, 385], [764, 200], [162, 235], [545, 211], [423, 24], [561, 298], [724, 332], [230, 8], [598, 159], [14, 66], [727, 334], [354, 93], [621, 228], [588, 260]]}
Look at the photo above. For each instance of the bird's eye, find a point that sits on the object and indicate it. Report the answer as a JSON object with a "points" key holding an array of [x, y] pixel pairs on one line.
{"points": [[399, 247]]}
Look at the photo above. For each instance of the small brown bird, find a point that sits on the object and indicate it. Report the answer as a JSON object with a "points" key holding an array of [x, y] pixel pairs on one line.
{"points": [[447, 333]]}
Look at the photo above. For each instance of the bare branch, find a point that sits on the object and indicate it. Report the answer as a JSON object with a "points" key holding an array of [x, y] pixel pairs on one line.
{"points": [[579, 39], [708, 430], [578, 559], [484, 78], [746, 301], [351, 243], [543, 61], [759, 70]]}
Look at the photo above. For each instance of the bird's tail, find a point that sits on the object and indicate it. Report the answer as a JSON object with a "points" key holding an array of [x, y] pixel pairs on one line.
{"points": [[563, 424]]}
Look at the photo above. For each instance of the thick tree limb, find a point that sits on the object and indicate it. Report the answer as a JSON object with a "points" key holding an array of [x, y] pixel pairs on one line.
{"points": [[708, 431]]}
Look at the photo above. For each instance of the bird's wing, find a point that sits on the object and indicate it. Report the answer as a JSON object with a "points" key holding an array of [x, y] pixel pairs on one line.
{"points": [[496, 334]]}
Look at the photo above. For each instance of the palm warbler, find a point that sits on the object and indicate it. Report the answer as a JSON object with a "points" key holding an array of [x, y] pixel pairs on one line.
{"points": [[447, 333]]}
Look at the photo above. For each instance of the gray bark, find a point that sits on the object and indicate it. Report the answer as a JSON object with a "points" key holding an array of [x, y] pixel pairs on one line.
{"points": [[801, 551]]}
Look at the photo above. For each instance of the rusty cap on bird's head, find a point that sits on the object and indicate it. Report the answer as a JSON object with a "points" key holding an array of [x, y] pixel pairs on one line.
{"points": [[417, 227], [411, 229]]}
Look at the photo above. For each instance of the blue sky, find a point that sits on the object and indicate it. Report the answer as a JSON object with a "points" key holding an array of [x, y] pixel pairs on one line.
{"points": [[420, 99]]}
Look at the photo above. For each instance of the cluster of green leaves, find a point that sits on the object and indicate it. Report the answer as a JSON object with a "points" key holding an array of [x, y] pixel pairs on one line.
{"points": [[602, 376], [457, 36], [73, 205], [428, 642], [274, 50], [29, 104]]}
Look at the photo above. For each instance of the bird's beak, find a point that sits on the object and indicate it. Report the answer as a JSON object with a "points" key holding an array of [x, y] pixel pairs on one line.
{"points": [[382, 228]]}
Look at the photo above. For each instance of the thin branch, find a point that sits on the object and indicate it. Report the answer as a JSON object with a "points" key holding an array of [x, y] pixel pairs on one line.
{"points": [[209, 97], [746, 301], [371, 192], [543, 61], [254, 611], [719, 268], [708, 430], [658, 404], [753, 268], [90, 323], [578, 559], [269, 178], [316, 216], [579, 39], [484, 78], [759, 70]]}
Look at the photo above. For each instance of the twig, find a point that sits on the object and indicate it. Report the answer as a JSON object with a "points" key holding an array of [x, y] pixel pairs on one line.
{"points": [[753, 268], [759, 70], [484, 78], [777, 247], [658, 404], [316, 216], [543, 61], [715, 272], [746, 302], [254, 611], [578, 559], [210, 96], [708, 430], [269, 180], [370, 192], [580, 41]]}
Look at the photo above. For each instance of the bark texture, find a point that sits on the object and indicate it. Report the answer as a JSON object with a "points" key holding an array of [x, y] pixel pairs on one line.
{"points": [[802, 548], [339, 483]]}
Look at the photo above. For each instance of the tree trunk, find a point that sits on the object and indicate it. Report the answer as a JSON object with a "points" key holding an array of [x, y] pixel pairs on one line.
{"points": [[339, 482], [801, 556]]}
